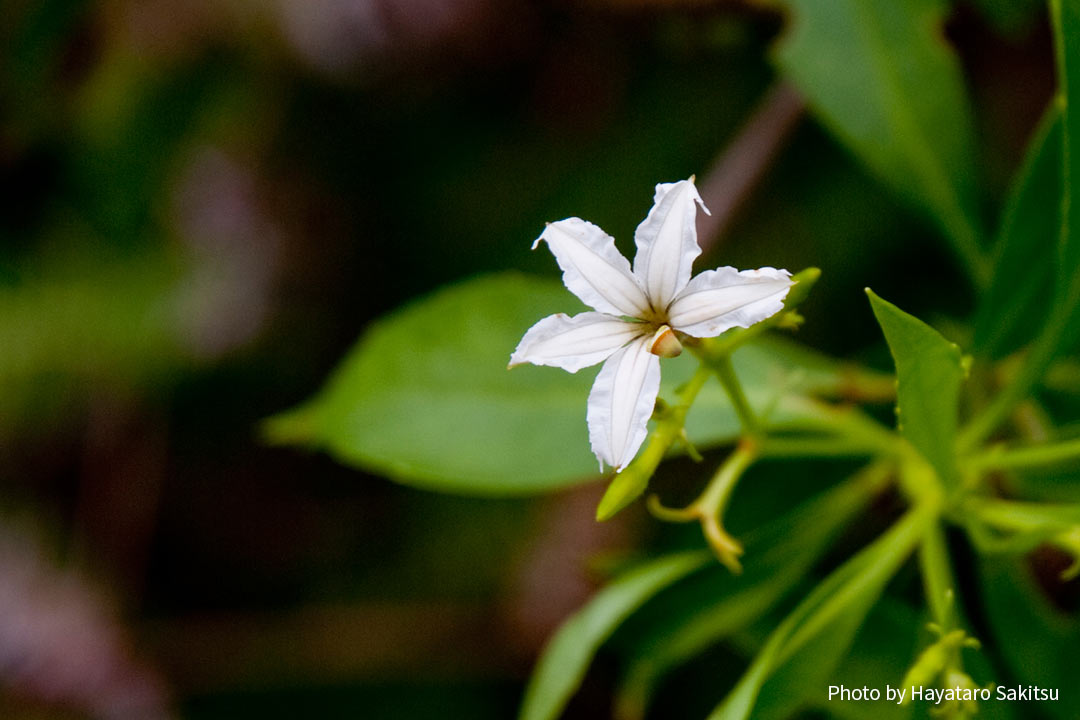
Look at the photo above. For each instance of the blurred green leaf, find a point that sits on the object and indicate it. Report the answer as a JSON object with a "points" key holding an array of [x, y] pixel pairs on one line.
{"points": [[1039, 643], [882, 78], [1014, 306], [76, 324], [425, 396], [567, 656], [1011, 17], [776, 560], [1066, 22], [812, 640], [1062, 325], [929, 371], [886, 644]]}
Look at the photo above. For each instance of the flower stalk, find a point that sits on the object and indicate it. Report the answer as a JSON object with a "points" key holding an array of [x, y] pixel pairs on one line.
{"points": [[709, 507], [1004, 458]]}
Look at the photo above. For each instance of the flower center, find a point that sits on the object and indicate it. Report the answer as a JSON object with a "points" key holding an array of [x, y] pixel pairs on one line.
{"points": [[664, 343]]}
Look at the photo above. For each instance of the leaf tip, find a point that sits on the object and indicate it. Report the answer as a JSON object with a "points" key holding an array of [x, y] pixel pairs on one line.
{"points": [[293, 427]]}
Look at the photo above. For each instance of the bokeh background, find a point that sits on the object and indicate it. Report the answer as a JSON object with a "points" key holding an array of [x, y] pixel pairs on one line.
{"points": [[204, 205]]}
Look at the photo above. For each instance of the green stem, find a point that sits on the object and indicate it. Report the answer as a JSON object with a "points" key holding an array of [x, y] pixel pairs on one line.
{"points": [[1017, 516], [725, 371], [851, 425], [1022, 384], [633, 480], [937, 576], [1027, 457], [716, 495], [816, 447], [708, 509]]}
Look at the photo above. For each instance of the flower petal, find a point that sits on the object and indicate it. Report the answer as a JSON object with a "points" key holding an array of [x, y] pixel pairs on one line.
{"points": [[621, 403], [593, 268], [572, 343], [719, 299], [667, 242]]}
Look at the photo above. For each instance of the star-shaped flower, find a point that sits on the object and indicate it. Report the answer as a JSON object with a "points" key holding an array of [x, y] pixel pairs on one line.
{"points": [[641, 312]]}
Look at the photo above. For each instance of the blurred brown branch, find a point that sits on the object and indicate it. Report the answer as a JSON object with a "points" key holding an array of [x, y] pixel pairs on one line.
{"points": [[739, 168]]}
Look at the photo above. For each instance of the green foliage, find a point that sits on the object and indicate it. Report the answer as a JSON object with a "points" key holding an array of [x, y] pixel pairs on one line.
{"points": [[1039, 643], [75, 325], [1014, 306], [1066, 20], [425, 396], [1063, 321], [778, 558], [929, 371], [885, 643], [880, 77], [812, 640], [567, 656], [1011, 17]]}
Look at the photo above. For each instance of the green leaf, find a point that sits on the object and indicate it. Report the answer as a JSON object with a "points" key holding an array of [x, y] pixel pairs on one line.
{"points": [[1062, 325], [929, 370], [881, 78], [1039, 643], [81, 322], [777, 558], [1012, 18], [567, 656], [877, 657], [425, 396], [812, 640], [1016, 303], [1065, 17]]}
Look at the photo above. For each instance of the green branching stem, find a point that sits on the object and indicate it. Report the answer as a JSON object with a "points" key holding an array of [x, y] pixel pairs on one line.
{"points": [[848, 428], [708, 509], [725, 372], [1019, 526], [1003, 458]]}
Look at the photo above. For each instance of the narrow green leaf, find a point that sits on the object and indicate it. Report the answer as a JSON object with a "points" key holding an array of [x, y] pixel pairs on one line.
{"points": [[877, 657], [1062, 326], [1016, 303], [929, 370], [880, 77], [1065, 17], [815, 636], [776, 560], [567, 656], [425, 397]]}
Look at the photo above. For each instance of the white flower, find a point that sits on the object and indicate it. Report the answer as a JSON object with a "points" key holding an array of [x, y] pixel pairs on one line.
{"points": [[640, 312]]}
